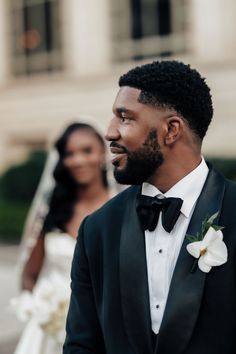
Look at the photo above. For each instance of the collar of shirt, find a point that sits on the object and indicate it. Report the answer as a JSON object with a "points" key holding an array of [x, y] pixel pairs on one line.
{"points": [[188, 188]]}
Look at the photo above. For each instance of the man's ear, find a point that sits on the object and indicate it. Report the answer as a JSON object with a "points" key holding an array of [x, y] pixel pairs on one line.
{"points": [[175, 127]]}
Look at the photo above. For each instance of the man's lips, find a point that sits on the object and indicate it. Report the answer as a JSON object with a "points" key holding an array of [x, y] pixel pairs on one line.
{"points": [[115, 160], [116, 150], [117, 155]]}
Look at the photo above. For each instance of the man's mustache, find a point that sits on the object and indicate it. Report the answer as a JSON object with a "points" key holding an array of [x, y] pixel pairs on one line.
{"points": [[113, 144]]}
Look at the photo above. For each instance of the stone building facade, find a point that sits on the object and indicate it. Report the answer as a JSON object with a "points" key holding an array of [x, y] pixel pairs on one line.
{"points": [[60, 61]]}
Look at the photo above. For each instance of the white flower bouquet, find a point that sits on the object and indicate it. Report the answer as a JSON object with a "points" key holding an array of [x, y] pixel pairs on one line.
{"points": [[47, 305]]}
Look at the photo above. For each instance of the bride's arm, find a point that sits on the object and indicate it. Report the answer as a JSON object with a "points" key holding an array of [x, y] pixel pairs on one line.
{"points": [[33, 265]]}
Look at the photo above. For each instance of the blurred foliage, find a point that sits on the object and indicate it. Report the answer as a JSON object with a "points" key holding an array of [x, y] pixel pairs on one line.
{"points": [[19, 183], [226, 166], [12, 217], [17, 188]]}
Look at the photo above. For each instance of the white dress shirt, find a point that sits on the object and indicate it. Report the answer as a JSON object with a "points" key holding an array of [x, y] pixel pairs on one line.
{"points": [[162, 248]]}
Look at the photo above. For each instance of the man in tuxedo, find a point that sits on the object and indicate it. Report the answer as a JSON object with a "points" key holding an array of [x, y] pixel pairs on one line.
{"points": [[135, 288]]}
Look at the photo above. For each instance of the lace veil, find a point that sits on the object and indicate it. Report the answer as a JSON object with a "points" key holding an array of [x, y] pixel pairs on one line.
{"points": [[39, 209]]}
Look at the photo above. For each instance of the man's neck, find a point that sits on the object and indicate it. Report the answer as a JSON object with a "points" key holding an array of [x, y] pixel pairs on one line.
{"points": [[171, 172]]}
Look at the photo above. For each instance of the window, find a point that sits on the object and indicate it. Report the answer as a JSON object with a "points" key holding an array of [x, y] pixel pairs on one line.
{"points": [[148, 28], [150, 18], [36, 37]]}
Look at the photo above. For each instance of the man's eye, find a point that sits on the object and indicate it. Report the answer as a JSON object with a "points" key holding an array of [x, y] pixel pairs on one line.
{"points": [[125, 119]]}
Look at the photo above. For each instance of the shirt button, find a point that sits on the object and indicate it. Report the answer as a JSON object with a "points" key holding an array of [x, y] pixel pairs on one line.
{"points": [[157, 306], [160, 251]]}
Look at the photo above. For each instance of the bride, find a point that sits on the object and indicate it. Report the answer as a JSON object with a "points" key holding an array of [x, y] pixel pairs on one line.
{"points": [[80, 187]]}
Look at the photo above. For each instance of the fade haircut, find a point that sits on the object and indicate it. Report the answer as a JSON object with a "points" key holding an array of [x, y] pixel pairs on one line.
{"points": [[174, 85]]}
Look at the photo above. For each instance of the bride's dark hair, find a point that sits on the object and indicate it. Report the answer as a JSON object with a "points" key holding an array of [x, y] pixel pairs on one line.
{"points": [[65, 191]]}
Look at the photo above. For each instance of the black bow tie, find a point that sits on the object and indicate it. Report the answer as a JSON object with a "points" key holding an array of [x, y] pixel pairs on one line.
{"points": [[149, 208]]}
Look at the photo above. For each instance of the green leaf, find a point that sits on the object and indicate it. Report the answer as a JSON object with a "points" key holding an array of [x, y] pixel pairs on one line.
{"points": [[191, 238], [206, 224], [217, 227], [213, 217], [200, 238]]}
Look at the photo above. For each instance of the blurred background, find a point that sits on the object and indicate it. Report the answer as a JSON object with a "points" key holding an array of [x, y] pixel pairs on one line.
{"points": [[60, 61]]}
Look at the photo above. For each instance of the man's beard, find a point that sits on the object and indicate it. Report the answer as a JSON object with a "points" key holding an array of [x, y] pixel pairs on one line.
{"points": [[142, 163]]}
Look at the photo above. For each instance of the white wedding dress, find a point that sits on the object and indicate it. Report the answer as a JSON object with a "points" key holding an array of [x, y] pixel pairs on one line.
{"points": [[59, 249]]}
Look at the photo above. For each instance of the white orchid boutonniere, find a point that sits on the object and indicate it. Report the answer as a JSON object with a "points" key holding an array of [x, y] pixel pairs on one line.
{"points": [[207, 246]]}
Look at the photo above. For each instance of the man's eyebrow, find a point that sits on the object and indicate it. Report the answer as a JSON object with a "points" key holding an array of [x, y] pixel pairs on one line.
{"points": [[122, 110]]}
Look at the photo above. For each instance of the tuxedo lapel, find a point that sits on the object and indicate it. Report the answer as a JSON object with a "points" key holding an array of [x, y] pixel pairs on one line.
{"points": [[186, 288], [133, 279]]}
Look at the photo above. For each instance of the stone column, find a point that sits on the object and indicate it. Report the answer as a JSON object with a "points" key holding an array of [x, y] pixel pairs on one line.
{"points": [[4, 40], [86, 36], [212, 29]]}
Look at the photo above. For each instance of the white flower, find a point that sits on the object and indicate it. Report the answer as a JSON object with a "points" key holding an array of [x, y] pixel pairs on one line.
{"points": [[47, 305], [23, 306], [211, 251]]}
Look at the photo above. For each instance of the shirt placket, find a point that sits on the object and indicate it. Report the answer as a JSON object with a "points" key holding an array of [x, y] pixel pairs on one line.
{"points": [[159, 273]]}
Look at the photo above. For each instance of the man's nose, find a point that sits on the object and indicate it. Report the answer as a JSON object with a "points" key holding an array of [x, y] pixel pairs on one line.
{"points": [[112, 132]]}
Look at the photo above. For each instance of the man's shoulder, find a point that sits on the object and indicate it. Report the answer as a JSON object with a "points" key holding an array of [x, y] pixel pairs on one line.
{"points": [[115, 206], [230, 189], [218, 177]]}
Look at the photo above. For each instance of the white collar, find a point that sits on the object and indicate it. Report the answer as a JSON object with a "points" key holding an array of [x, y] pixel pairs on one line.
{"points": [[188, 188]]}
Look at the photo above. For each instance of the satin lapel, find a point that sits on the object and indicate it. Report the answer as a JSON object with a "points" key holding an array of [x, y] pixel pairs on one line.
{"points": [[186, 288], [134, 280]]}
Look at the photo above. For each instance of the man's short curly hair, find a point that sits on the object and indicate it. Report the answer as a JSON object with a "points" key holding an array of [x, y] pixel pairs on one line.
{"points": [[174, 85]]}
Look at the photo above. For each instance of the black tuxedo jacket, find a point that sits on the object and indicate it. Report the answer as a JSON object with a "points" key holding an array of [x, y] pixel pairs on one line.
{"points": [[109, 310]]}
